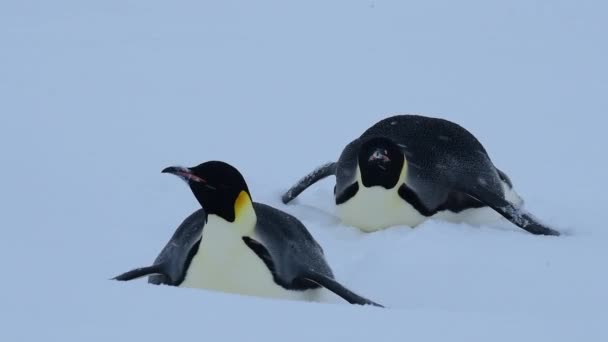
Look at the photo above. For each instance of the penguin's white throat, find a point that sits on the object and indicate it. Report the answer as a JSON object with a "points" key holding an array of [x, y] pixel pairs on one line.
{"points": [[376, 207]]}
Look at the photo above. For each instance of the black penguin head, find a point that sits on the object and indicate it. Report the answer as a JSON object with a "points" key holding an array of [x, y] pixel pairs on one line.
{"points": [[219, 187], [380, 162]]}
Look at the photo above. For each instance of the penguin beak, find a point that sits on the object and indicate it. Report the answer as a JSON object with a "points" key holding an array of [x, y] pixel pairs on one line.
{"points": [[184, 173]]}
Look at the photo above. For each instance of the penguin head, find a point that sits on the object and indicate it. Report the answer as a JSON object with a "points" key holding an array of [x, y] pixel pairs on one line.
{"points": [[380, 162], [219, 188]]}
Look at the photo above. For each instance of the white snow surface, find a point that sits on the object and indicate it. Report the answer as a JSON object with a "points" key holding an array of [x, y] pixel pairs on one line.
{"points": [[96, 98]]}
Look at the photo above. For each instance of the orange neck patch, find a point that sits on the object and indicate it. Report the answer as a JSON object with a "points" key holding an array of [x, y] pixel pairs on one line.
{"points": [[242, 203]]}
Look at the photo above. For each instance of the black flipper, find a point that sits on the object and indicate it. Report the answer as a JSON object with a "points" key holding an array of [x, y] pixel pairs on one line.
{"points": [[337, 288], [140, 272], [518, 216], [319, 173], [171, 265], [309, 280], [263, 254]]}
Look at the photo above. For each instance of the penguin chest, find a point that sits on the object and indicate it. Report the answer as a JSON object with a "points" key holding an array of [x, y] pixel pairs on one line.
{"points": [[225, 263], [376, 208]]}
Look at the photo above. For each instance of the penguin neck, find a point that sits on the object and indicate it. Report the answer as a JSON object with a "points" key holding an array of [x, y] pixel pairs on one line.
{"points": [[244, 213], [395, 186], [376, 207]]}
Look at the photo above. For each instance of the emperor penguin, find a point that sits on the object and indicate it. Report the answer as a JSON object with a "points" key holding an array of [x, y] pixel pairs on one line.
{"points": [[239, 246], [406, 169]]}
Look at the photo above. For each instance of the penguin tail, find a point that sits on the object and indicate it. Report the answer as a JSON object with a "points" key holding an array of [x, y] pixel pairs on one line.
{"points": [[517, 215], [140, 272], [503, 177], [319, 173], [337, 288]]}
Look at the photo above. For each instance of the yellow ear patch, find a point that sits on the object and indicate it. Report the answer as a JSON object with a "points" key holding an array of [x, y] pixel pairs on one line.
{"points": [[242, 205]]}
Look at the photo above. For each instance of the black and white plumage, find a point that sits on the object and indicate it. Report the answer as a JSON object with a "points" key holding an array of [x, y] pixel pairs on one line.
{"points": [[236, 245], [408, 168]]}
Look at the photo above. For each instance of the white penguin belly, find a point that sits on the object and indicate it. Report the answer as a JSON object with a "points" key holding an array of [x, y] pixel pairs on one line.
{"points": [[473, 216], [377, 208], [225, 263]]}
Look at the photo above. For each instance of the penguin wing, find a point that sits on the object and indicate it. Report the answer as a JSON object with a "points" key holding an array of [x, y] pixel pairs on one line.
{"points": [[172, 263], [319, 173], [292, 255], [517, 215], [337, 288], [306, 278], [346, 170]]}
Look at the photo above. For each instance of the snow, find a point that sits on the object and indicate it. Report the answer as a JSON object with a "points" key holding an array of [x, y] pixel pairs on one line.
{"points": [[97, 98]]}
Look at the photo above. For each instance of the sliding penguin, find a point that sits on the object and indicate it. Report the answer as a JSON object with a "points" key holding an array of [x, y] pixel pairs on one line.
{"points": [[235, 245], [408, 168]]}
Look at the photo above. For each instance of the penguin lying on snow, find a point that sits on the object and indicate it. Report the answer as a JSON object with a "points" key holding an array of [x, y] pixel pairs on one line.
{"points": [[235, 245], [407, 168]]}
